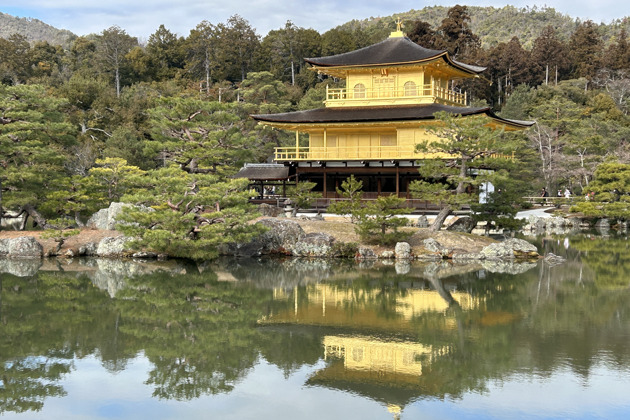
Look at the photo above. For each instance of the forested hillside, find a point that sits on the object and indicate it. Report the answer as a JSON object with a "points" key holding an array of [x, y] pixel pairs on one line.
{"points": [[494, 25], [34, 30], [167, 123]]}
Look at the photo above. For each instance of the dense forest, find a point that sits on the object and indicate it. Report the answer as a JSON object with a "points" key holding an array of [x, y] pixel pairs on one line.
{"points": [[166, 124]]}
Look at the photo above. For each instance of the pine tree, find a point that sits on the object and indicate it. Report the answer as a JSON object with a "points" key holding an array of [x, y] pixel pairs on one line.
{"points": [[464, 140]]}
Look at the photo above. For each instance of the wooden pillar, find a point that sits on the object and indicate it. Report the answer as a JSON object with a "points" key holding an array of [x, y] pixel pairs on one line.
{"points": [[325, 185], [378, 185], [397, 181], [297, 145]]}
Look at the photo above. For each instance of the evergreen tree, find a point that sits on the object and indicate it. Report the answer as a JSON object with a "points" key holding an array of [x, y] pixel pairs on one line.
{"points": [[193, 214], [461, 141], [34, 139], [608, 193], [166, 53], [351, 195], [585, 48], [112, 47], [424, 35], [377, 221], [456, 34], [549, 57]]}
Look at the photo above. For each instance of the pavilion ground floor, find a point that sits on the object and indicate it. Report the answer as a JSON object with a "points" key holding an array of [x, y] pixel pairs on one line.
{"points": [[379, 178]]}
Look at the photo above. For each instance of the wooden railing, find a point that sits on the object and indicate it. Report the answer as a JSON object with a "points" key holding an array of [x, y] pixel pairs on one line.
{"points": [[428, 92], [293, 154]]}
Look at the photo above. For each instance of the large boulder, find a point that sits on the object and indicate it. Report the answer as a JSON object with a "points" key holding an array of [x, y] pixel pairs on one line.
{"points": [[365, 253], [510, 249], [107, 219], [402, 251], [313, 245], [463, 224], [281, 236], [21, 247], [432, 245], [113, 247], [270, 211]]}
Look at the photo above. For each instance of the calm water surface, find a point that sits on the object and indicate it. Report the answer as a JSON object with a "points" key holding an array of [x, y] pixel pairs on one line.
{"points": [[300, 339]]}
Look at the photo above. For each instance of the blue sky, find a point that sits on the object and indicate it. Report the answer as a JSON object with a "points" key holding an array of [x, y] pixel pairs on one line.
{"points": [[142, 17]]}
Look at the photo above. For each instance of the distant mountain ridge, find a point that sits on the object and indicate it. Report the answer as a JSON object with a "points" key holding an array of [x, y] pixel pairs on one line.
{"points": [[494, 25], [34, 30]]}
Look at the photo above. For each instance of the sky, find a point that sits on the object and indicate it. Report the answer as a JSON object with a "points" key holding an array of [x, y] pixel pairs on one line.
{"points": [[141, 18]]}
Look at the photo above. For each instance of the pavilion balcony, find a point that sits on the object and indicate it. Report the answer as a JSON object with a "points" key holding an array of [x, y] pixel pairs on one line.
{"points": [[289, 154], [390, 96], [296, 154]]}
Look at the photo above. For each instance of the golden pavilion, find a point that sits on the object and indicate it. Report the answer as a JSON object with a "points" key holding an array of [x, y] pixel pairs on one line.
{"points": [[371, 127]]}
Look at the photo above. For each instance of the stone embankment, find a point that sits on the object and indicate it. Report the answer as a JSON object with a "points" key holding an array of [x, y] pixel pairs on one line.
{"points": [[287, 237]]}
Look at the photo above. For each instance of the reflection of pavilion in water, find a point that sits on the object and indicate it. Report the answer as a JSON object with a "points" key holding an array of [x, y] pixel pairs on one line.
{"points": [[360, 357], [334, 306]]}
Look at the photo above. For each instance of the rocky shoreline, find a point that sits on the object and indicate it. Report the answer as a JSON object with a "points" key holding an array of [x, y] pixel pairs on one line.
{"points": [[300, 237], [287, 237]]}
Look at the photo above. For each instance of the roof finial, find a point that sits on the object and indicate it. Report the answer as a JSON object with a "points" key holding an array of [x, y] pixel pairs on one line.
{"points": [[398, 33]]}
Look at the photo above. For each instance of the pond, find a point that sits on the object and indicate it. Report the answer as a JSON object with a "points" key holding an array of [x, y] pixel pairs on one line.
{"points": [[313, 339]]}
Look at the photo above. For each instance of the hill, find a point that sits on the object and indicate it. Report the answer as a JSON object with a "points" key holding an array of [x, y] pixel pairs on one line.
{"points": [[34, 30], [492, 25]]}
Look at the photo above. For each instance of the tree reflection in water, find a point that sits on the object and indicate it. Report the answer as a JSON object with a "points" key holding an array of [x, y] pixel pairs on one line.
{"points": [[390, 333]]}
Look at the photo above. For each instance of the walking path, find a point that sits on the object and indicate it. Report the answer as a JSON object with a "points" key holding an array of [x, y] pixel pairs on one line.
{"points": [[539, 212]]}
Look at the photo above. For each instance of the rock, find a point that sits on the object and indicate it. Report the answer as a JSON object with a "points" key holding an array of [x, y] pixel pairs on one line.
{"points": [[365, 253], [270, 211], [144, 254], [467, 256], [422, 222], [21, 247], [313, 245], [113, 246], [98, 220], [282, 234], [463, 224], [402, 251], [388, 255], [20, 267], [106, 219], [69, 253], [432, 245], [510, 249], [88, 249]]}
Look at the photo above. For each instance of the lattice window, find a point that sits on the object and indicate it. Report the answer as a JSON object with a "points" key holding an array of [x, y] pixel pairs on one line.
{"points": [[359, 91]]}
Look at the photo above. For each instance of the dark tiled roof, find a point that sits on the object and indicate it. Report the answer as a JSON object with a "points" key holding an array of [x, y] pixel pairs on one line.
{"points": [[263, 172], [377, 114], [390, 51]]}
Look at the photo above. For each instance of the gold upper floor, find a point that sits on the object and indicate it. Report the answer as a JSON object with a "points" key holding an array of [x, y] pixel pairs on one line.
{"points": [[404, 85]]}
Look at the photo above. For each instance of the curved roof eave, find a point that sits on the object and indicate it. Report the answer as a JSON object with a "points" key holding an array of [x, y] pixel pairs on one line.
{"points": [[378, 114], [391, 51]]}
